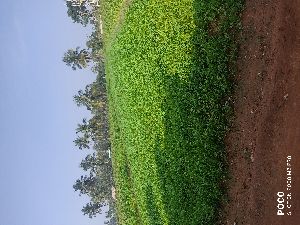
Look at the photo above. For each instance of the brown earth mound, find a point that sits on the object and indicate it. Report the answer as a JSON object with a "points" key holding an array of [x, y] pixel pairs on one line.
{"points": [[266, 128]]}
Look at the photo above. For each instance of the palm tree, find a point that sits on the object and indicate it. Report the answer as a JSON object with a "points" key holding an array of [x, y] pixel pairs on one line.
{"points": [[76, 58]]}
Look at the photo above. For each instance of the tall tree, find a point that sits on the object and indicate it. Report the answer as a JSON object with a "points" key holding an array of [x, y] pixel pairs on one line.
{"points": [[83, 141], [77, 58], [91, 162], [79, 13], [95, 44], [85, 184], [83, 128], [92, 209], [93, 98]]}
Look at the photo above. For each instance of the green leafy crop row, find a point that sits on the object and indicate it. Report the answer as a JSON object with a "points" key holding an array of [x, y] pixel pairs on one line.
{"points": [[167, 74]]}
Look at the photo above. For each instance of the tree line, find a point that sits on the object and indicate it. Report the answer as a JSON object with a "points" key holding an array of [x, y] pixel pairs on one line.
{"points": [[93, 133]]}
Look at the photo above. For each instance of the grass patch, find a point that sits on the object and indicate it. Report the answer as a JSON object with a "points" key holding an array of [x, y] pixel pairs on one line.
{"points": [[110, 10], [167, 76]]}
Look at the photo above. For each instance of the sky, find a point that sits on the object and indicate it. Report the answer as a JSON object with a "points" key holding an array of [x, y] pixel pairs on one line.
{"points": [[39, 162]]}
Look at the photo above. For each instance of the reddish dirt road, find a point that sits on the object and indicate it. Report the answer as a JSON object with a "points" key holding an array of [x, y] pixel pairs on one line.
{"points": [[266, 128]]}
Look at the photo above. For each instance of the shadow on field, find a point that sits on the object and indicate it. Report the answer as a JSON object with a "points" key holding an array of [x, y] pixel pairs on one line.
{"points": [[190, 157]]}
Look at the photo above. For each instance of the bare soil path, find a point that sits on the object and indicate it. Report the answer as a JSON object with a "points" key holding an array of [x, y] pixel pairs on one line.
{"points": [[266, 128]]}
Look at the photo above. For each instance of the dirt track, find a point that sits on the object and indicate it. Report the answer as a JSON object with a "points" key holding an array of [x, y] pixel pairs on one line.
{"points": [[266, 128]]}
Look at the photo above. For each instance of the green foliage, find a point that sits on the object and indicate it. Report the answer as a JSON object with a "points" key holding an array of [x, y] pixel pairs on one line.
{"points": [[93, 97], [85, 184], [167, 78], [90, 162], [95, 44], [92, 209], [77, 59], [82, 142], [110, 11], [82, 14], [93, 133]]}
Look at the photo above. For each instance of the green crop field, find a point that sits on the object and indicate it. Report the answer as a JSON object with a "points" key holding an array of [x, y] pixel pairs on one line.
{"points": [[167, 68]]}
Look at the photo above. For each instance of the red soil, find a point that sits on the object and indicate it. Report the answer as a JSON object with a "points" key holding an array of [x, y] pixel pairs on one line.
{"points": [[266, 128]]}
